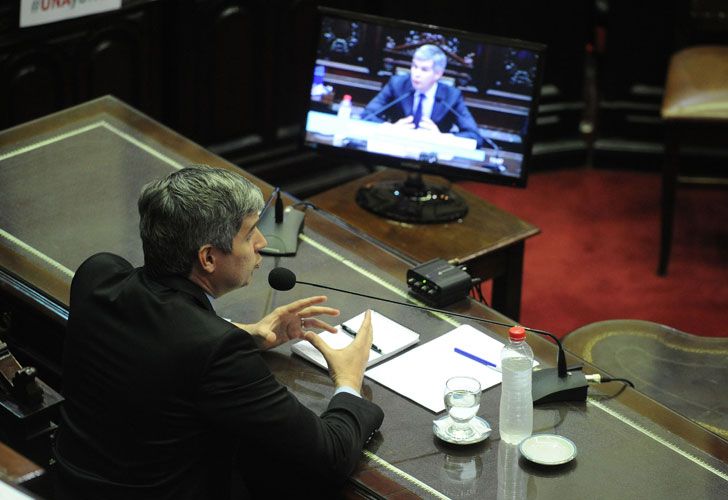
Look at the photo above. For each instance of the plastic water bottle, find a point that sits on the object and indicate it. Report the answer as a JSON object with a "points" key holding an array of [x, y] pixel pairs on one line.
{"points": [[516, 404], [342, 121], [511, 478], [344, 112]]}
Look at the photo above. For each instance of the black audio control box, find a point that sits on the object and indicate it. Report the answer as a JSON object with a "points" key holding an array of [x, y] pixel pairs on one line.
{"points": [[438, 283]]}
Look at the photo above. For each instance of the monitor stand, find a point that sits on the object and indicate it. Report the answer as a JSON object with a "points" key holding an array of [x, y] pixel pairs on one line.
{"points": [[412, 201]]}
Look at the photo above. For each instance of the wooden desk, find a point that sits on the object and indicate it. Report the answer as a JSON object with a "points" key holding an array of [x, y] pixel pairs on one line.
{"points": [[15, 468], [489, 241], [629, 446]]}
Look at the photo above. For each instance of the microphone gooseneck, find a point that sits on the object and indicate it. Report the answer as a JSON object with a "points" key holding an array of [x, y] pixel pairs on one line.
{"points": [[278, 206], [283, 279], [448, 106], [452, 110], [388, 105]]}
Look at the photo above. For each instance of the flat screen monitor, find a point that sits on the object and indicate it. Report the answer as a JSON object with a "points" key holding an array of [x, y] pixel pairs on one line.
{"points": [[425, 99]]}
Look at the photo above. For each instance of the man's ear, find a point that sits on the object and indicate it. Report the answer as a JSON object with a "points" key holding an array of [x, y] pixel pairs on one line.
{"points": [[206, 258]]}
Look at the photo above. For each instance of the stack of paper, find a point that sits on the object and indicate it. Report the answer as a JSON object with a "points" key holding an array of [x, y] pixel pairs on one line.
{"points": [[389, 336]]}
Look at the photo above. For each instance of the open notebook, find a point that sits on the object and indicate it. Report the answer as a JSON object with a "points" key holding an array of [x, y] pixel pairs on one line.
{"points": [[389, 336]]}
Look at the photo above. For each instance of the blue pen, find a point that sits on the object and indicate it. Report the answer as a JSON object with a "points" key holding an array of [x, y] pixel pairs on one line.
{"points": [[476, 358]]}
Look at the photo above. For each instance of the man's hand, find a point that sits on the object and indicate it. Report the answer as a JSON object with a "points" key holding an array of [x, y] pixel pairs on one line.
{"points": [[425, 124], [347, 365], [406, 122], [290, 322], [429, 125]]}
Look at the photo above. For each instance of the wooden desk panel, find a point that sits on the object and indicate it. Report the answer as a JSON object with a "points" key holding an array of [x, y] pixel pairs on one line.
{"points": [[489, 241], [629, 446], [15, 468]]}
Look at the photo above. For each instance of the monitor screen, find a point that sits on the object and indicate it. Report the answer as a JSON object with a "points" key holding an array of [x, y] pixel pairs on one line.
{"points": [[423, 98]]}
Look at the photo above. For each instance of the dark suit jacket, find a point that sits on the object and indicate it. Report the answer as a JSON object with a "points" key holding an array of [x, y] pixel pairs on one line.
{"points": [[161, 393], [449, 109]]}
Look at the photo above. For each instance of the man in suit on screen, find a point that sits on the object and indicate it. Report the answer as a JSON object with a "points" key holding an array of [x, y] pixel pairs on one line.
{"points": [[420, 101]]}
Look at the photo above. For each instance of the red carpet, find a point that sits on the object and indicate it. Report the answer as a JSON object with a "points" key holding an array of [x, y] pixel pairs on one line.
{"points": [[596, 256]]}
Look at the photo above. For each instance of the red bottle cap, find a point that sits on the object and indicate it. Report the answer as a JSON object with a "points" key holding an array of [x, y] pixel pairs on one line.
{"points": [[517, 333], [347, 97]]}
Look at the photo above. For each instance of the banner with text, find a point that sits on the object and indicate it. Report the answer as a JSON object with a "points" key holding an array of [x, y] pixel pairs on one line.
{"points": [[35, 12]]}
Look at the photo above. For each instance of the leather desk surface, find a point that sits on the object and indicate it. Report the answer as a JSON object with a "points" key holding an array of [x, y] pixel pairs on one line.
{"points": [[69, 186]]}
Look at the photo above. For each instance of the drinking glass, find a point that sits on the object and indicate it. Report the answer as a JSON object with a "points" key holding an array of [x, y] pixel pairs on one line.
{"points": [[462, 400]]}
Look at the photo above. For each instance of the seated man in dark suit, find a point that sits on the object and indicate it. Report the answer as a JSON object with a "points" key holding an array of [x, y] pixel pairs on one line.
{"points": [[419, 101], [164, 398]]}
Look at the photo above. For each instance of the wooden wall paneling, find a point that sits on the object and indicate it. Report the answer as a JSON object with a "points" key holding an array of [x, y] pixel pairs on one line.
{"points": [[220, 46], [294, 48], [50, 67], [235, 85], [123, 58], [35, 82], [639, 38]]}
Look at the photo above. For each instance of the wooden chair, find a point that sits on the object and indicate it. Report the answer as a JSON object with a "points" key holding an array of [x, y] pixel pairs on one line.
{"points": [[695, 113]]}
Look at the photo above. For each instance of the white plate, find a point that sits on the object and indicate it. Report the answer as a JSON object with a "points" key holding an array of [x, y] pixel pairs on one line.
{"points": [[548, 449], [480, 427]]}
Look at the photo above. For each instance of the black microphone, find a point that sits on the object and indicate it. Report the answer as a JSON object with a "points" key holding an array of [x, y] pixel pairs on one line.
{"points": [[452, 110], [388, 105], [549, 384], [280, 228], [442, 101], [279, 206]]}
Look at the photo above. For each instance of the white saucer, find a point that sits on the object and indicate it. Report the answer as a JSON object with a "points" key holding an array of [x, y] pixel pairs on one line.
{"points": [[480, 427], [548, 449]]}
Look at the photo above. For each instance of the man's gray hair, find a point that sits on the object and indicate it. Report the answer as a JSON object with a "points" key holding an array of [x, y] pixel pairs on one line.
{"points": [[190, 208], [432, 53]]}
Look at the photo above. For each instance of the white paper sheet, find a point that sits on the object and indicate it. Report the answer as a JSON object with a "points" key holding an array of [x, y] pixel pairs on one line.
{"points": [[420, 374]]}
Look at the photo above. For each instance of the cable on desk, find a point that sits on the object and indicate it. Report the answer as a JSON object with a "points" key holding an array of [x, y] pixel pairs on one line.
{"points": [[476, 290], [596, 378], [305, 204]]}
